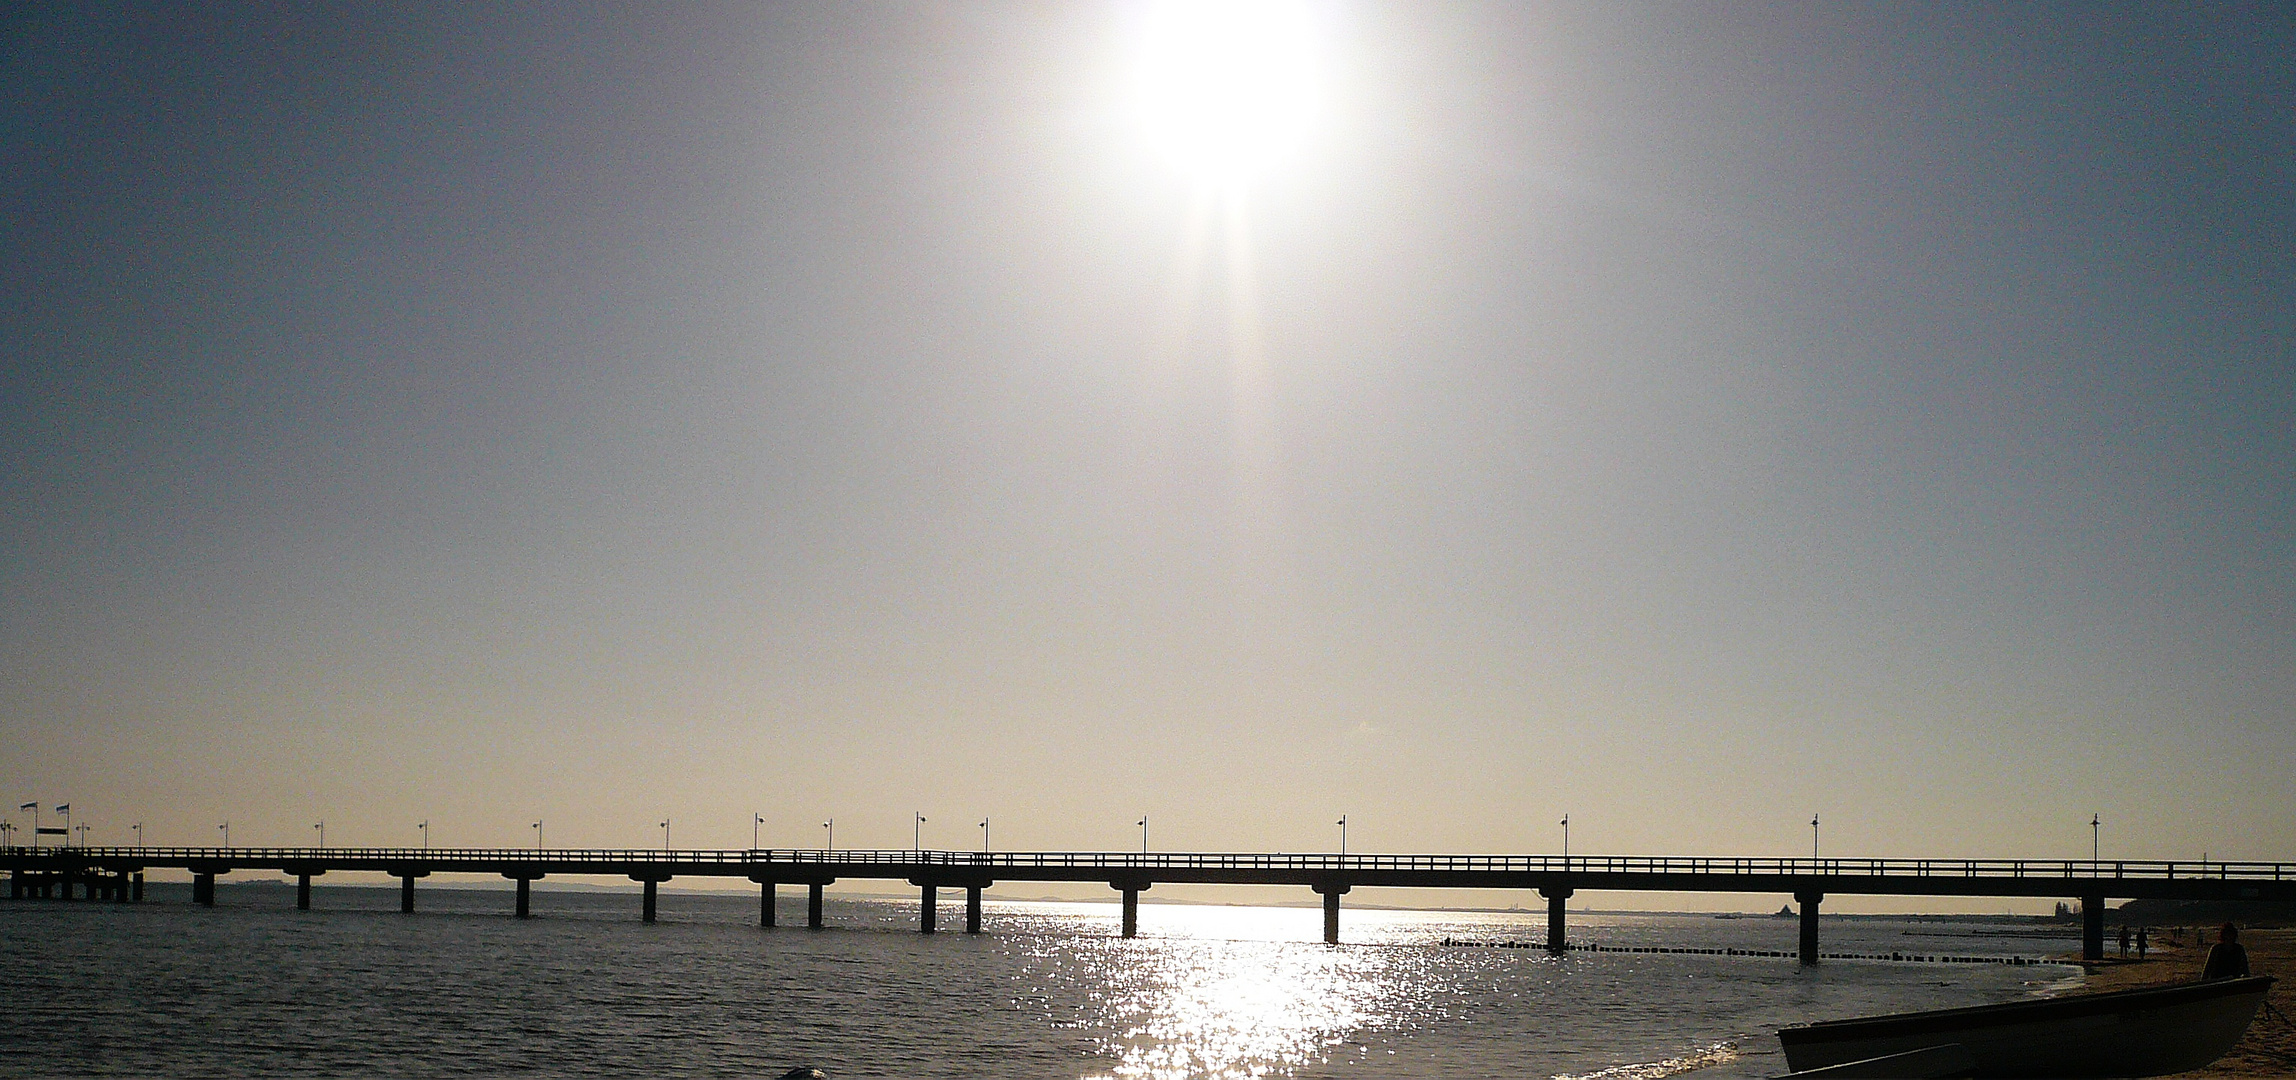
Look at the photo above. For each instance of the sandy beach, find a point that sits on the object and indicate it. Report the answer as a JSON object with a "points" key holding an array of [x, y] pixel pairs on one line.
{"points": [[2270, 1048]]}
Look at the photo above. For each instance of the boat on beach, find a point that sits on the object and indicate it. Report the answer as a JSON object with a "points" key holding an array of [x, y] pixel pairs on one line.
{"points": [[2150, 1031]]}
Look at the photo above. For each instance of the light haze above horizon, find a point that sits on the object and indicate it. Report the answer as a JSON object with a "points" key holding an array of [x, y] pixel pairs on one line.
{"points": [[1685, 417]]}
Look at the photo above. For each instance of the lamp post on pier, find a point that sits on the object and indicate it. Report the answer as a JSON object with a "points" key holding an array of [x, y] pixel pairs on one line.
{"points": [[1343, 838], [1566, 841], [538, 834], [1813, 838], [226, 827], [917, 841], [322, 827], [985, 848], [831, 825], [424, 826], [2096, 839], [83, 827], [665, 834], [139, 833], [755, 820]]}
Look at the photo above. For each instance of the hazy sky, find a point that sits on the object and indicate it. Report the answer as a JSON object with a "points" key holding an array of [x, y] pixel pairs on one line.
{"points": [[1686, 417]]}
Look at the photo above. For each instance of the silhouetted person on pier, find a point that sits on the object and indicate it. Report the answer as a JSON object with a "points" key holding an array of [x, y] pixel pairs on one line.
{"points": [[2229, 959], [2124, 941], [2142, 942]]}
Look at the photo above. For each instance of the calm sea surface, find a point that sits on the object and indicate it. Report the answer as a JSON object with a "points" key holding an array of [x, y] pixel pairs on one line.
{"points": [[257, 988]]}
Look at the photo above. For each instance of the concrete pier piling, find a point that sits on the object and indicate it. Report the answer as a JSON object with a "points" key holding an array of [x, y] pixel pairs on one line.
{"points": [[925, 909], [1555, 896], [1131, 913], [2092, 928], [972, 909], [650, 901], [1331, 894], [136, 889], [302, 892], [765, 896], [1809, 943], [525, 880], [813, 904], [203, 889], [407, 893]]}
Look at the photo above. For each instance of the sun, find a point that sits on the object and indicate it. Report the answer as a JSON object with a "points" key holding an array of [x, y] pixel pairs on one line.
{"points": [[1223, 89]]}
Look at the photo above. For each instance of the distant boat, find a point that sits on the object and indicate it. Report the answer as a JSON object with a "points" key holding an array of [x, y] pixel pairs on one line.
{"points": [[2147, 1032], [1786, 912]]}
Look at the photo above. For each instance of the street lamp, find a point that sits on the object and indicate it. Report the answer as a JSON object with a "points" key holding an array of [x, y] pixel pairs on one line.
{"points": [[6, 827], [1143, 834], [665, 834], [322, 827], [424, 825], [1343, 836], [919, 838], [755, 821], [538, 834], [2096, 837], [1813, 837], [831, 825], [83, 833], [226, 827], [139, 834], [984, 835], [1566, 841]]}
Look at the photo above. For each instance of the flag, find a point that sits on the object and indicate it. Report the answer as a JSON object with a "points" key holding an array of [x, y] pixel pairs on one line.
{"points": [[51, 830], [63, 808], [29, 806]]}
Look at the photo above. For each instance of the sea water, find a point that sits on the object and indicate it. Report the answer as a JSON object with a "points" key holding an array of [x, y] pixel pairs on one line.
{"points": [[255, 987]]}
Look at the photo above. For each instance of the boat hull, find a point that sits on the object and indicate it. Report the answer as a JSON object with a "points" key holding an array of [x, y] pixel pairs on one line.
{"points": [[2147, 1032]]}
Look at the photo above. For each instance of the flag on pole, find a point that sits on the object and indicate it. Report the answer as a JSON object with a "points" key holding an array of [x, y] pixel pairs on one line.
{"points": [[63, 808], [29, 806]]}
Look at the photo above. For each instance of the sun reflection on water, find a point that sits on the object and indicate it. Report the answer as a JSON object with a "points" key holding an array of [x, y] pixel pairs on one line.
{"points": [[1220, 993]]}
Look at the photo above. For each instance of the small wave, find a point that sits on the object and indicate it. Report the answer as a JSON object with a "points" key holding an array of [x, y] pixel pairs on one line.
{"points": [[1704, 1058]]}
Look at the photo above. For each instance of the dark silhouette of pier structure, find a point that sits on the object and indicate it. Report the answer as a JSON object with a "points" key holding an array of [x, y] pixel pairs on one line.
{"points": [[117, 874]]}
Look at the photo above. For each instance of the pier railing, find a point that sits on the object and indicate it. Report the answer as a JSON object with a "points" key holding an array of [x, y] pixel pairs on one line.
{"points": [[1136, 862]]}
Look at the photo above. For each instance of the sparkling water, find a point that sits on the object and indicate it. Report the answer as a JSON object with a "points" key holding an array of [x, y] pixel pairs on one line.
{"points": [[255, 987]]}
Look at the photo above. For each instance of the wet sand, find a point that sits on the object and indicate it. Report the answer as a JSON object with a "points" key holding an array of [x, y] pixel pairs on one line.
{"points": [[2270, 1048]]}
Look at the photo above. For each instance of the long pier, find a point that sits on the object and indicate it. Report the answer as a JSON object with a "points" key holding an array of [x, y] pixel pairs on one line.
{"points": [[116, 874]]}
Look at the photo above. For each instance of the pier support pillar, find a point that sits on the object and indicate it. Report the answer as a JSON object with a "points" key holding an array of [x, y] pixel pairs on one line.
{"points": [[203, 889], [972, 909], [2092, 928], [135, 889], [813, 905], [15, 884], [1809, 902], [121, 884], [649, 915], [302, 892], [407, 893], [765, 893], [1331, 895], [525, 897], [1555, 898], [1131, 913], [925, 909]]}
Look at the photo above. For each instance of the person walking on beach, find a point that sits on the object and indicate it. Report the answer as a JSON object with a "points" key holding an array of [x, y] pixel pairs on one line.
{"points": [[2143, 932], [2229, 959], [2124, 941]]}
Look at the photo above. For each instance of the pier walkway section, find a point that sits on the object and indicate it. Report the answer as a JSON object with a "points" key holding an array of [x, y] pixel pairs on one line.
{"points": [[116, 874]]}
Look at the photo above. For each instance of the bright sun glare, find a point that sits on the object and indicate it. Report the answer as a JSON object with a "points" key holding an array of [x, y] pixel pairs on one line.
{"points": [[1224, 88]]}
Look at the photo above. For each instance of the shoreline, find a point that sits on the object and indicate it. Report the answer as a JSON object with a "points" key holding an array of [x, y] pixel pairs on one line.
{"points": [[2269, 1048]]}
